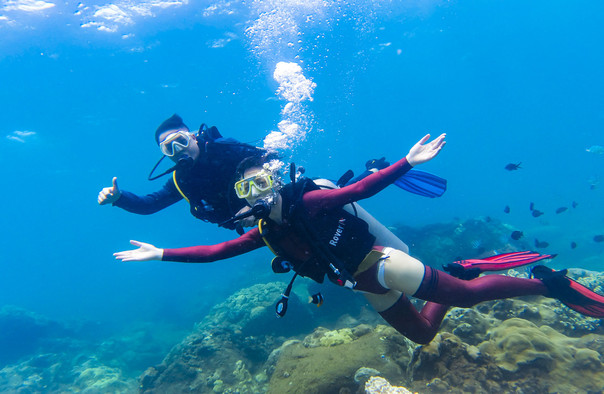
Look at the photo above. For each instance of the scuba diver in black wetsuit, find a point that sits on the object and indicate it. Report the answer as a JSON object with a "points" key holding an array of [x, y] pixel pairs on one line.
{"points": [[203, 174]]}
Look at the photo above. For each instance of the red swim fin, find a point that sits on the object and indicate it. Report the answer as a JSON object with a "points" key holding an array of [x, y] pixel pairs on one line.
{"points": [[571, 293], [470, 269]]}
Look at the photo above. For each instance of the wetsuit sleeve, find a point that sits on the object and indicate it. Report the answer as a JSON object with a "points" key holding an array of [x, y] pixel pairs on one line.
{"points": [[208, 253], [325, 199], [151, 203]]}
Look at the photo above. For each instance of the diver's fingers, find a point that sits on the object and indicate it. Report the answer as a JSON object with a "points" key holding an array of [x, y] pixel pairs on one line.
{"points": [[125, 259], [130, 255], [136, 243], [114, 181], [436, 144], [437, 149], [130, 258], [103, 194], [424, 139], [439, 142], [122, 255]]}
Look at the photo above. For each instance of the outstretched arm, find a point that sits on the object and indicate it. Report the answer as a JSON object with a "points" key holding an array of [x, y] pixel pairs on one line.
{"points": [[423, 151], [150, 203], [194, 254]]}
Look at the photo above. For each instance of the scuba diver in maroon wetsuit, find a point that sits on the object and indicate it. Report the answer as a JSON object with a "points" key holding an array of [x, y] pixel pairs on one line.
{"points": [[310, 233]]}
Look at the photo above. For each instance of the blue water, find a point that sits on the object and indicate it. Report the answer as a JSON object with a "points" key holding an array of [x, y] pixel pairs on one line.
{"points": [[508, 81]]}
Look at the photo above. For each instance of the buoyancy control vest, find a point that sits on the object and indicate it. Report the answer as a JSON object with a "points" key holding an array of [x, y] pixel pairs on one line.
{"points": [[329, 243], [208, 184]]}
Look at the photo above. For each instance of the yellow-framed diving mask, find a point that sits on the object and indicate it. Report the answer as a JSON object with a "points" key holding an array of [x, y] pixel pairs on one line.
{"points": [[262, 181]]}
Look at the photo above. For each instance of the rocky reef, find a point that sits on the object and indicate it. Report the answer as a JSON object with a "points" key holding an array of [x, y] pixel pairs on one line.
{"points": [[331, 361], [516, 356], [42, 355], [237, 345], [379, 385]]}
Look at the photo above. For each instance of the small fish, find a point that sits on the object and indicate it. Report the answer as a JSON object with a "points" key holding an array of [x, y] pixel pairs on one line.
{"points": [[516, 235], [512, 166], [536, 213], [561, 209], [597, 149], [541, 244], [531, 206], [599, 238], [574, 204], [506, 209], [573, 245], [593, 183], [316, 299]]}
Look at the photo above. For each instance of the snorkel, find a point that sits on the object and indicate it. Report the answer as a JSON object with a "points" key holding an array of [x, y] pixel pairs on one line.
{"points": [[184, 162]]}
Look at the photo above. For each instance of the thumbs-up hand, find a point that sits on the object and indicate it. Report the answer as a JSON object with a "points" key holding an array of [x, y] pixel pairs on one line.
{"points": [[109, 195]]}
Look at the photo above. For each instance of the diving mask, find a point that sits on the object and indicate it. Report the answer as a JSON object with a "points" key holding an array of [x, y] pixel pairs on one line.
{"points": [[262, 181], [175, 142]]}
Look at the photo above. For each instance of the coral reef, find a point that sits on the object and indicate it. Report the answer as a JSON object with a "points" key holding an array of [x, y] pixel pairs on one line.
{"points": [[378, 385], [24, 333], [326, 361], [57, 373], [42, 355], [517, 356], [236, 346], [527, 344], [226, 351]]}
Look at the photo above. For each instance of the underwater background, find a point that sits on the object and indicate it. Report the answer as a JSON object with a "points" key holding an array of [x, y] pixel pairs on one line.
{"points": [[330, 84]]}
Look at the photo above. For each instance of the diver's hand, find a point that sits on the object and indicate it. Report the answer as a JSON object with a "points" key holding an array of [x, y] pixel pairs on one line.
{"points": [[249, 221], [423, 152], [145, 252], [109, 195]]}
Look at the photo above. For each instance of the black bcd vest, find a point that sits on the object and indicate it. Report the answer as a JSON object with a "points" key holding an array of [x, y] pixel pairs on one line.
{"points": [[208, 185], [311, 244]]}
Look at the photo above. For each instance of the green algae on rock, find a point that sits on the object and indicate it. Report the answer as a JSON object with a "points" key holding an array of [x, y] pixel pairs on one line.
{"points": [[320, 364], [516, 356]]}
